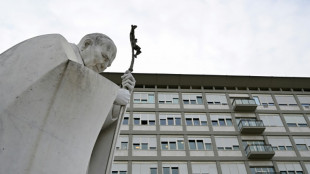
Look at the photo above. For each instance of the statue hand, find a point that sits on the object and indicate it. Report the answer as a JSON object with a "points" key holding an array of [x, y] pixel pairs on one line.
{"points": [[122, 97], [128, 81]]}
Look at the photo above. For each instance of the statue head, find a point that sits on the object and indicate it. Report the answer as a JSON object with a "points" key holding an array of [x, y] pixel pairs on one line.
{"points": [[97, 51]]}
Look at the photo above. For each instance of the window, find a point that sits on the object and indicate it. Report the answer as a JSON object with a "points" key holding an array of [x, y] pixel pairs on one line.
{"points": [[199, 143], [193, 99], [172, 143], [170, 119], [262, 170], [227, 143], [289, 168], [216, 99], [144, 142], [124, 145], [221, 120], [170, 170], [286, 100], [304, 101], [143, 97], [168, 98], [263, 100], [271, 120], [295, 120], [144, 119], [302, 147], [119, 172], [119, 168], [126, 119], [280, 143], [122, 142], [196, 119], [153, 170], [302, 143]]}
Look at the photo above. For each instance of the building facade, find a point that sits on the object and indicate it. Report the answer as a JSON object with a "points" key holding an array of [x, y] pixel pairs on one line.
{"points": [[207, 124]]}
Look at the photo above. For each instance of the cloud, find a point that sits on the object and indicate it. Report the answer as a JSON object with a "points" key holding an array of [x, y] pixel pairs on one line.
{"points": [[241, 37]]}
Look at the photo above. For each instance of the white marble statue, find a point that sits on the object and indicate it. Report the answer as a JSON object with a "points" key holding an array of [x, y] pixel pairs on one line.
{"points": [[57, 114]]}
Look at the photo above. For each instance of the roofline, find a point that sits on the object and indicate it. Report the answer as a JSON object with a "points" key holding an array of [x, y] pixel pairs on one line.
{"points": [[213, 80]]}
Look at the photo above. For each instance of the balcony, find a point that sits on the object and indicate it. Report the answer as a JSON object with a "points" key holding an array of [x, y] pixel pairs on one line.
{"points": [[244, 105], [259, 151], [251, 126]]}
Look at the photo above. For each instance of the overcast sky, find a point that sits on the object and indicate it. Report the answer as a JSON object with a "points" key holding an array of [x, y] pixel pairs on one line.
{"points": [[224, 37]]}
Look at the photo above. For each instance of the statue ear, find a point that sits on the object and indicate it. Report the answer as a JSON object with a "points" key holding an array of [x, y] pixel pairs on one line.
{"points": [[87, 43]]}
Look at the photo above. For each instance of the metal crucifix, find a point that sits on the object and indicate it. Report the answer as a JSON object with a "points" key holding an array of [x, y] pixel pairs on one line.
{"points": [[136, 50]]}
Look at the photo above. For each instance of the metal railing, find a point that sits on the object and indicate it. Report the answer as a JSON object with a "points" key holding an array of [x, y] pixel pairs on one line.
{"points": [[244, 102], [250, 123], [258, 148]]}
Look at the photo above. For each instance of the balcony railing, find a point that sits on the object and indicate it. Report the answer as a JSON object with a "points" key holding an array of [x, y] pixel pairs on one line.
{"points": [[251, 126], [244, 104], [259, 151]]}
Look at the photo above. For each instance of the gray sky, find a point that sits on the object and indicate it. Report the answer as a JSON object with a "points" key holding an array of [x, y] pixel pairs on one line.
{"points": [[226, 37]]}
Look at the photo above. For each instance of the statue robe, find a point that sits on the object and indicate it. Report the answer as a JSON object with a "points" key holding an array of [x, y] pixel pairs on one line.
{"points": [[52, 110]]}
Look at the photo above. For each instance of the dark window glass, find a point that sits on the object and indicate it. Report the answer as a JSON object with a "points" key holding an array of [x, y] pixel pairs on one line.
{"points": [[124, 145], [175, 100], [186, 101], [166, 170], [144, 146], [199, 100], [302, 125], [222, 122], [170, 121], [281, 148], [143, 122], [192, 145], [301, 147], [175, 170], [114, 172], [228, 148], [151, 98], [136, 121], [177, 121], [291, 124], [203, 123], [208, 146], [228, 122], [173, 146], [136, 100], [220, 148], [164, 145], [161, 102], [200, 145], [151, 122], [153, 170], [189, 122], [214, 123], [196, 121], [136, 146], [236, 148], [289, 148], [193, 101], [162, 121], [125, 121], [180, 145]]}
